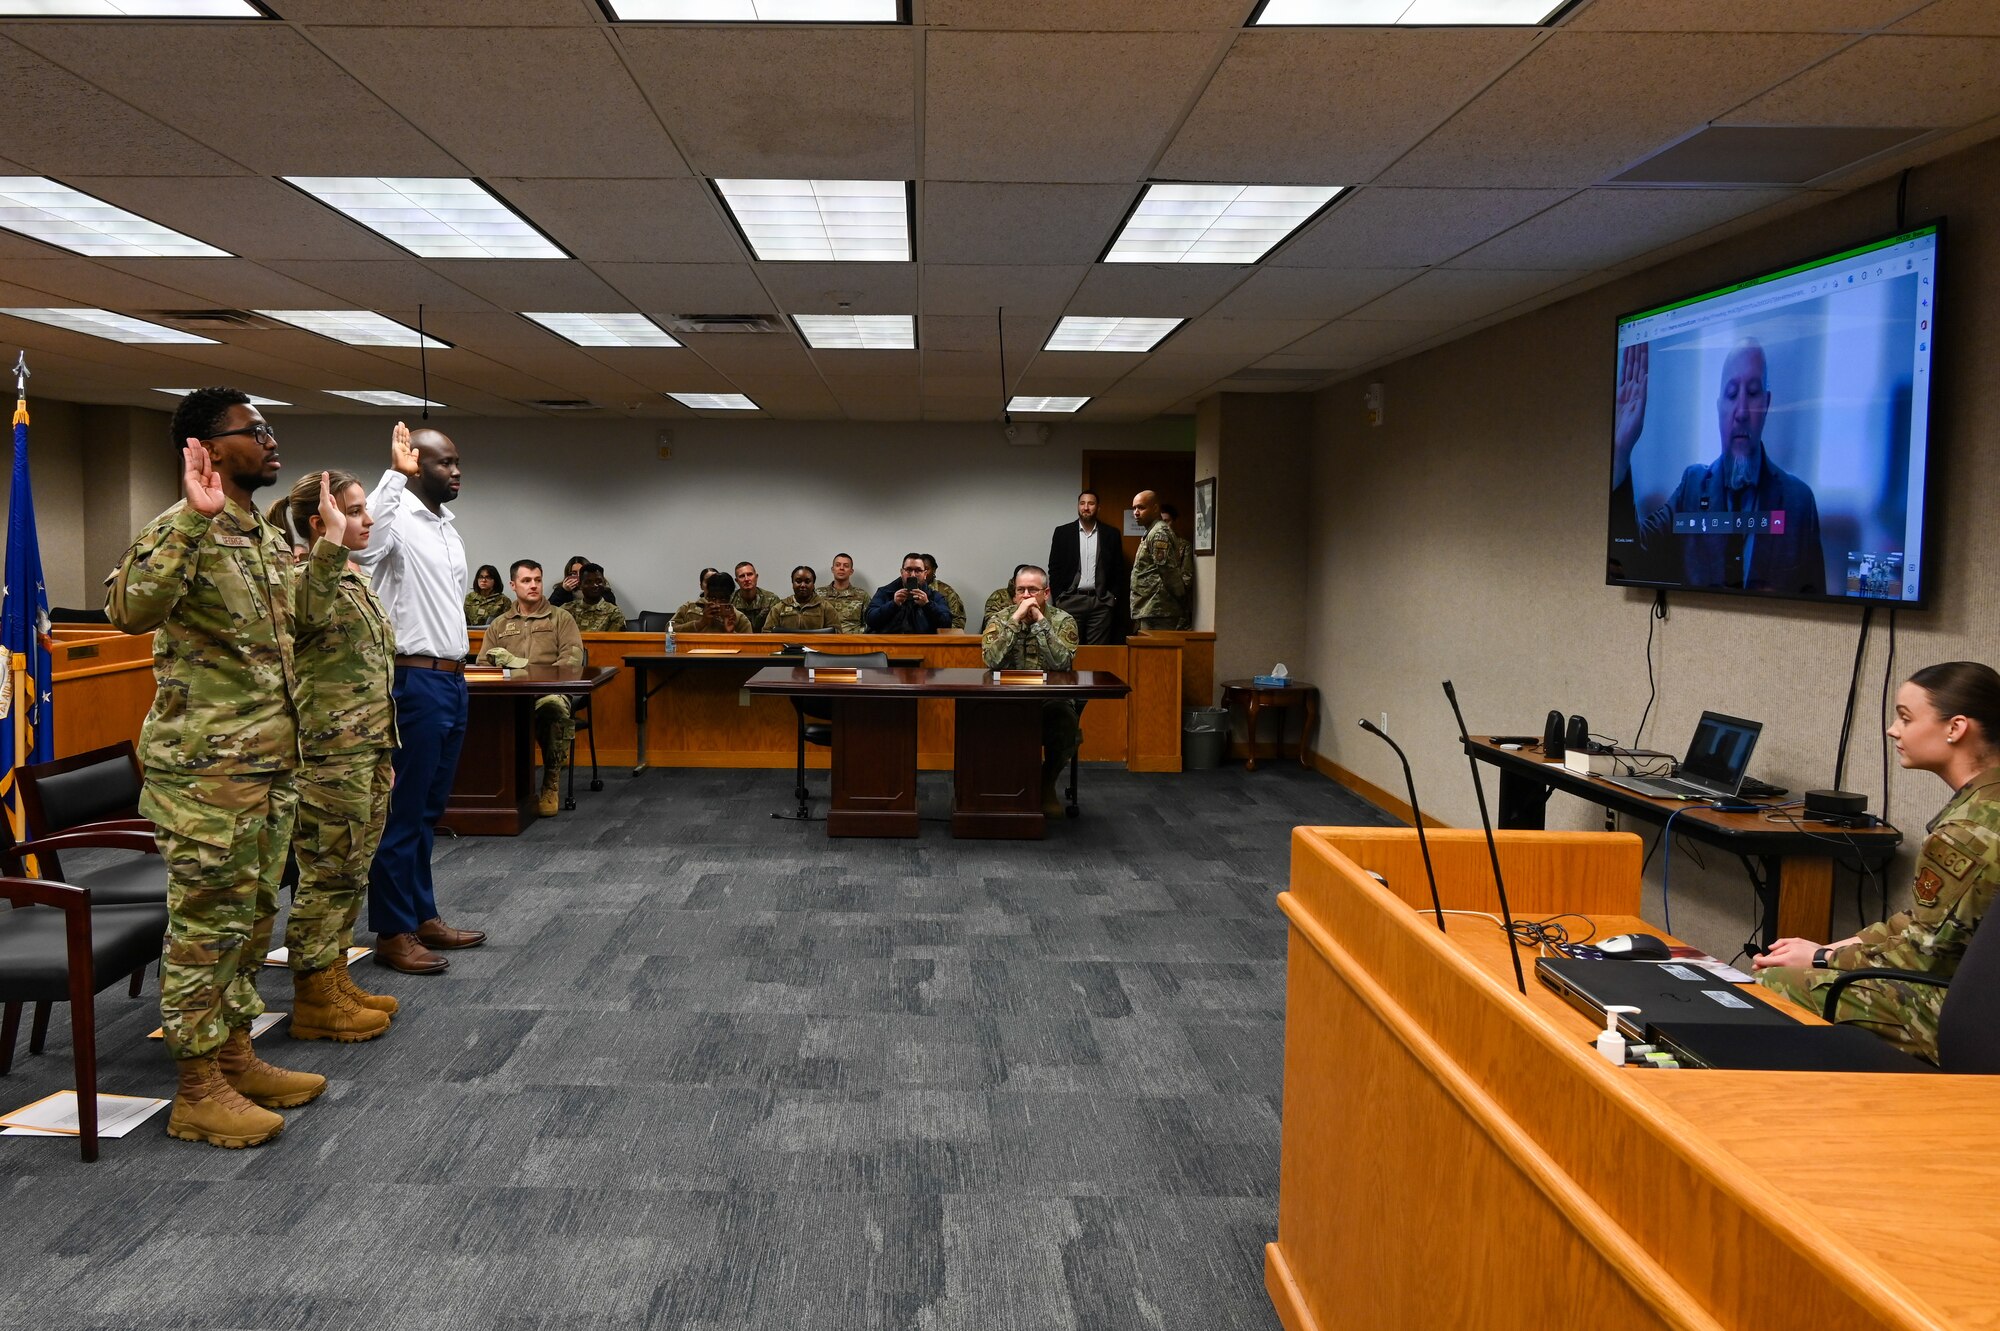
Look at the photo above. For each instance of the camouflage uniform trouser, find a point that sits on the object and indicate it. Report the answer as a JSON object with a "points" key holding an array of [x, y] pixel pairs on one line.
{"points": [[343, 803], [1062, 731], [1160, 624], [224, 839], [1906, 1015], [555, 731]]}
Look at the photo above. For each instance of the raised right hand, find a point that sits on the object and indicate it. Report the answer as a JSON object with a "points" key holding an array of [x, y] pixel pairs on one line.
{"points": [[402, 453], [1630, 418], [331, 519], [199, 481]]}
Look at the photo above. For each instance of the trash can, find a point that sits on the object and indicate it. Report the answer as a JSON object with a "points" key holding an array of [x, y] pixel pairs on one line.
{"points": [[1204, 738]]}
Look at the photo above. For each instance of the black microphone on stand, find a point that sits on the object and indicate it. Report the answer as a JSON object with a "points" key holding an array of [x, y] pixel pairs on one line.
{"points": [[1437, 907], [1492, 849]]}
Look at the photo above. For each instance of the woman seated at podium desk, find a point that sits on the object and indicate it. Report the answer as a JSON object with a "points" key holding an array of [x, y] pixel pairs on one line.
{"points": [[1947, 722]]}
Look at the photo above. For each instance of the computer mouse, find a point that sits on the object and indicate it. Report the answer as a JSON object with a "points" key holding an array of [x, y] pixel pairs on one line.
{"points": [[1634, 947], [1511, 748]]}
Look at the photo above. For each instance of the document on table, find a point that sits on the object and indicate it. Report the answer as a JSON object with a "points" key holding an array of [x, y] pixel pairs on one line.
{"points": [[55, 1116]]}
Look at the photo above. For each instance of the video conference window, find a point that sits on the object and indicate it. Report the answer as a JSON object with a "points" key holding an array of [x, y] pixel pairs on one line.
{"points": [[1772, 437]]}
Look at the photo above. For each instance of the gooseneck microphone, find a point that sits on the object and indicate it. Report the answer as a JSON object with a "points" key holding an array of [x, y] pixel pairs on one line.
{"points": [[1437, 907], [1492, 849]]}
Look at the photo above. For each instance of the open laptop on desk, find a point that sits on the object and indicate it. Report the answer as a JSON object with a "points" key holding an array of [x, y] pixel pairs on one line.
{"points": [[1663, 991], [1717, 758]]}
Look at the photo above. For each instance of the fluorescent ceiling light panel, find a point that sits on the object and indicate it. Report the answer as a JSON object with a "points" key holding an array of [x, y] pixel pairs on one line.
{"points": [[105, 324], [255, 401], [129, 9], [382, 397], [433, 217], [849, 221], [868, 332], [755, 11], [1046, 403], [1215, 223], [1408, 13], [1090, 333], [357, 328], [55, 214], [714, 401], [604, 330]]}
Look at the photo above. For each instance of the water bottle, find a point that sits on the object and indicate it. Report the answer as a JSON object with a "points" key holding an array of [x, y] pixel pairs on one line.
{"points": [[670, 637]]}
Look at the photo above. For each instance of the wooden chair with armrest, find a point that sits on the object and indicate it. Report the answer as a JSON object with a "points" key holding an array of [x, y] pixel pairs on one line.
{"points": [[814, 716], [1969, 1024]]}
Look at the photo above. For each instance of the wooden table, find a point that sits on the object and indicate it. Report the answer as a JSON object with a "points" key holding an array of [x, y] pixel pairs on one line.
{"points": [[996, 781], [1455, 1154], [494, 791], [1790, 863], [1253, 698]]}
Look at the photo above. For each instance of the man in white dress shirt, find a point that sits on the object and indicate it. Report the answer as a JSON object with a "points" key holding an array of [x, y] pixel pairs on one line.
{"points": [[1087, 572], [417, 563]]}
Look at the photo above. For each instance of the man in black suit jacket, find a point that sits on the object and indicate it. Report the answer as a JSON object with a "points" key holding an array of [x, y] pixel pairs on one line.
{"points": [[1090, 588]]}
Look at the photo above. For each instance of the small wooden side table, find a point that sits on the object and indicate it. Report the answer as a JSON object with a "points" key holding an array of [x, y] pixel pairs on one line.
{"points": [[1253, 698]]}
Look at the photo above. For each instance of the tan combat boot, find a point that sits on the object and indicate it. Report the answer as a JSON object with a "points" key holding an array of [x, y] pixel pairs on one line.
{"points": [[550, 803], [259, 1082], [345, 979], [322, 1010], [208, 1109], [1052, 805]]}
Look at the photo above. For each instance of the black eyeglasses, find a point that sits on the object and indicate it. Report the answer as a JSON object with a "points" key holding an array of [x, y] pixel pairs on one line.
{"points": [[265, 434]]}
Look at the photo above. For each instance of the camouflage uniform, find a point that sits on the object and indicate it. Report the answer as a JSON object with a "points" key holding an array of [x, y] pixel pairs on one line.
{"points": [[481, 607], [1049, 645], [548, 637], [847, 607], [219, 748], [604, 617], [346, 657], [788, 616], [756, 606], [1958, 871], [1162, 579], [706, 617], [952, 601], [1000, 602]]}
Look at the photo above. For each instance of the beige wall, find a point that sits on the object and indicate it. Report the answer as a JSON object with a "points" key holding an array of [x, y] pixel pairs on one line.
{"points": [[55, 468], [1464, 538], [1255, 592]]}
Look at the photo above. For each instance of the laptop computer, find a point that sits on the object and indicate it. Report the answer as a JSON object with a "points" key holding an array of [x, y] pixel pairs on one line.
{"points": [[1801, 1048], [1663, 991], [1717, 758]]}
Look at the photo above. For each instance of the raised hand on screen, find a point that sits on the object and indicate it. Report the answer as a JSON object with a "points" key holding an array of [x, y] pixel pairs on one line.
{"points": [[199, 481], [1630, 418]]}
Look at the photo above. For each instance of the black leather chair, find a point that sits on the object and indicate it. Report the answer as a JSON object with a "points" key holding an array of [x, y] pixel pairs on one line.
{"points": [[651, 621], [580, 713], [1969, 1024], [96, 791], [56, 945], [65, 615], [815, 715]]}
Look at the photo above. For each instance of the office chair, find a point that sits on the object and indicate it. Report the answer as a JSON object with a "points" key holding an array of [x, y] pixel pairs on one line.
{"points": [[652, 621], [1969, 1024], [579, 715], [814, 716]]}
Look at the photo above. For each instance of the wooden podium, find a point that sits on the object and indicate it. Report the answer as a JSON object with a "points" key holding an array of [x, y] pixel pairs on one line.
{"points": [[1457, 1155]]}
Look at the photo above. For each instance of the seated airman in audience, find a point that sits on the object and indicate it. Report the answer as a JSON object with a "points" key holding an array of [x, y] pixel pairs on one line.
{"points": [[487, 598], [1000, 600], [593, 609], [804, 608], [713, 613], [566, 591], [752, 600], [1038, 636], [945, 591], [538, 633], [849, 602]]}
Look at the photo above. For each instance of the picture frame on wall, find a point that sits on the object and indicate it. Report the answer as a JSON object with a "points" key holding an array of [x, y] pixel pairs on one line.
{"points": [[1204, 516]]}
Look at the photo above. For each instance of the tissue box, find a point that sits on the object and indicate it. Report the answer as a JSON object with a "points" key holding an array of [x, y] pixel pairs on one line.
{"points": [[1270, 681]]}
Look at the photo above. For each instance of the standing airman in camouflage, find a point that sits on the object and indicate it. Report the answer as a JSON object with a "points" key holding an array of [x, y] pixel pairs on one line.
{"points": [[1162, 571], [211, 580], [1038, 636], [752, 600], [952, 600], [1947, 722], [847, 601], [345, 651], [592, 610], [535, 633], [805, 608]]}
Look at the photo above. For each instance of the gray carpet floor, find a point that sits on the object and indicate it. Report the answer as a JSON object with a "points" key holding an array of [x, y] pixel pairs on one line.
{"points": [[716, 1071]]}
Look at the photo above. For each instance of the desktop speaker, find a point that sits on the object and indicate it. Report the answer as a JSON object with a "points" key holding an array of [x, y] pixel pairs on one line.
{"points": [[1578, 735], [1552, 738]]}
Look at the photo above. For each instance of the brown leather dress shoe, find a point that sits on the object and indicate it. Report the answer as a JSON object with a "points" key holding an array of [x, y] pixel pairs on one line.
{"points": [[436, 933], [402, 952]]}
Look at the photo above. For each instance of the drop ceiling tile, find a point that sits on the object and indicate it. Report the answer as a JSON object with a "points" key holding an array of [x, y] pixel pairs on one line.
{"points": [[252, 216], [676, 220], [81, 281], [1063, 385], [738, 354], [799, 397], [1186, 372], [971, 387], [1287, 362], [283, 97], [1088, 15], [1969, 18], [1033, 224], [59, 125], [967, 365], [1941, 82], [783, 102], [1736, 16], [1101, 367], [1333, 106], [1317, 294], [841, 365], [531, 284], [818, 288], [1464, 294], [899, 389], [225, 283], [1094, 106], [688, 288], [959, 408], [467, 88], [1358, 341], [971, 332], [394, 287], [1410, 228], [1247, 337], [1602, 227], [1583, 106], [972, 288], [1155, 291]]}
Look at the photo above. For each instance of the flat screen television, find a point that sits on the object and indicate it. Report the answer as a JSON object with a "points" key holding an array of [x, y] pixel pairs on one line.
{"points": [[1772, 437]]}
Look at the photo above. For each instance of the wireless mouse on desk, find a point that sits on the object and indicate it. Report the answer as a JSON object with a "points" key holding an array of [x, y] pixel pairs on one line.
{"points": [[1634, 947]]}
